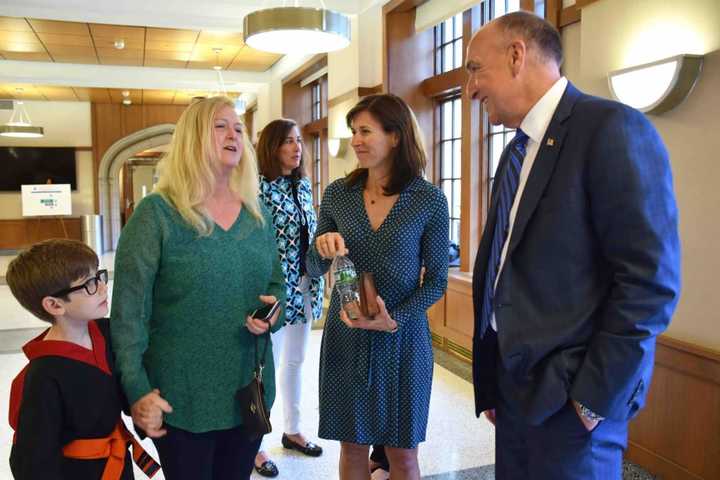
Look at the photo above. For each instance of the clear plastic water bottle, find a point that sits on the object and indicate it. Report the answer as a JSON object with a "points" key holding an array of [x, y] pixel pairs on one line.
{"points": [[346, 283]]}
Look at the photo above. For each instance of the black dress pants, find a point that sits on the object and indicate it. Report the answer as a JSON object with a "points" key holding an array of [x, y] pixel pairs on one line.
{"points": [[216, 455]]}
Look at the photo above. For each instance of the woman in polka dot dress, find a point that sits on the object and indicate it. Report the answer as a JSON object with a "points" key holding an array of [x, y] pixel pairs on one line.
{"points": [[376, 373]]}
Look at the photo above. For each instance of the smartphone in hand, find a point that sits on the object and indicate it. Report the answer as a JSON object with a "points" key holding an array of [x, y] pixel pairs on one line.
{"points": [[265, 313]]}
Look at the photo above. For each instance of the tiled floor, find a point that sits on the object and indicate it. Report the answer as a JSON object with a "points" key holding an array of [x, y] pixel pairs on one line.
{"points": [[458, 447]]}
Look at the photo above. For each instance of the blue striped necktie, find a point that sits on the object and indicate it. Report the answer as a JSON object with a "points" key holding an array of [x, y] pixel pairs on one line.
{"points": [[513, 156]]}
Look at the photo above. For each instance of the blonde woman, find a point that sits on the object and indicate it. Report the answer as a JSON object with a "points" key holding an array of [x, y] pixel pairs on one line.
{"points": [[194, 260]]}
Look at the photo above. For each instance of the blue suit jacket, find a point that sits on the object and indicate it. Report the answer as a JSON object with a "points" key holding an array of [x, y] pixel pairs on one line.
{"points": [[592, 272]]}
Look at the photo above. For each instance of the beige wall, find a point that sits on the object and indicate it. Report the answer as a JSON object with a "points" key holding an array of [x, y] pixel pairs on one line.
{"points": [[341, 166], [66, 124], [359, 65], [370, 49], [618, 33], [344, 65]]}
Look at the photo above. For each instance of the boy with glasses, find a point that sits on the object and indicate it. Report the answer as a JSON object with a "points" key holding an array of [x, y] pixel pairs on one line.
{"points": [[65, 404]]}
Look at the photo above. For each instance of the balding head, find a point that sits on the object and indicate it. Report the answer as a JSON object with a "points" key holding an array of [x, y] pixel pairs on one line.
{"points": [[537, 33], [511, 63]]}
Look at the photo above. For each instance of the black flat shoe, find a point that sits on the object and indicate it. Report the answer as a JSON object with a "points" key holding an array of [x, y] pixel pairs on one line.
{"points": [[267, 469], [309, 449]]}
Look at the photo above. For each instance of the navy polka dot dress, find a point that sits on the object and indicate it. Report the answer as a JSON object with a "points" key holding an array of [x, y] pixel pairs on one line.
{"points": [[375, 386]]}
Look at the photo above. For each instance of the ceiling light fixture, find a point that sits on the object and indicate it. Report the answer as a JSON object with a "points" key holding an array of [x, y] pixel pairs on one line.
{"points": [[126, 97], [20, 125], [658, 86], [119, 43], [221, 90], [296, 30]]}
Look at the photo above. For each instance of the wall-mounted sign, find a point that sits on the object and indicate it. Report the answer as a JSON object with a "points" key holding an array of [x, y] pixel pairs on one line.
{"points": [[44, 200]]}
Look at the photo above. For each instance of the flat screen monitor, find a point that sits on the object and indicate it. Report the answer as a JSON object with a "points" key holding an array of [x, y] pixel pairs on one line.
{"points": [[36, 165]]}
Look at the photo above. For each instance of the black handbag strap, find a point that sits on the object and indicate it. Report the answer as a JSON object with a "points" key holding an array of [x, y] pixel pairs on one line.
{"points": [[260, 362]]}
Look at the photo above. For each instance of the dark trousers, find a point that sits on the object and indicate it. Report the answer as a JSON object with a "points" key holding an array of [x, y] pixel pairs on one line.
{"points": [[215, 455], [560, 448]]}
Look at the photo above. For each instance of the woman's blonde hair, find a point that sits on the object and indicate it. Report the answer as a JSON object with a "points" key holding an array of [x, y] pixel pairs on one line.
{"points": [[187, 175]]}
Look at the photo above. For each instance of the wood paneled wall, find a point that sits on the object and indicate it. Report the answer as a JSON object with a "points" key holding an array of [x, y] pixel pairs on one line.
{"points": [[676, 436], [23, 232], [297, 105], [111, 122], [297, 100], [451, 318], [408, 60]]}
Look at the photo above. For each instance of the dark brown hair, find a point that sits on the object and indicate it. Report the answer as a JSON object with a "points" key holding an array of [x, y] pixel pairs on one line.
{"points": [[48, 267], [270, 141], [395, 116], [535, 31]]}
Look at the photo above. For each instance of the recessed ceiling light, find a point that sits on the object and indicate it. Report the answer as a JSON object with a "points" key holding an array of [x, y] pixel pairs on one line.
{"points": [[127, 101], [119, 43], [125, 93]]}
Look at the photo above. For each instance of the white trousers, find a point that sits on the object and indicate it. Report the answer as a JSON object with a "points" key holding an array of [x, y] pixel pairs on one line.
{"points": [[289, 347]]}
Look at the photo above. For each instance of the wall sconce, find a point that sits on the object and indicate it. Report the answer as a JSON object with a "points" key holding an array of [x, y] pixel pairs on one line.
{"points": [[658, 86], [337, 146]]}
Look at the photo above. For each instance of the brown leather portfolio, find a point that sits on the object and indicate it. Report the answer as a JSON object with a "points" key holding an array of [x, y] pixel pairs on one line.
{"points": [[368, 295]]}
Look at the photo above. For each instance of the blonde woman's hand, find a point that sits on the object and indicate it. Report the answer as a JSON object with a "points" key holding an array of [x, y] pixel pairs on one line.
{"points": [[381, 322], [258, 326], [330, 244]]}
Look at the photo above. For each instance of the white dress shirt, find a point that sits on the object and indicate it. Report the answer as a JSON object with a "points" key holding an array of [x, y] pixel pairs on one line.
{"points": [[534, 125]]}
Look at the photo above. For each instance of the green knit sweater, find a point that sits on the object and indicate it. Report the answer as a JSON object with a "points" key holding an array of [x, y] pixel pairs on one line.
{"points": [[179, 304]]}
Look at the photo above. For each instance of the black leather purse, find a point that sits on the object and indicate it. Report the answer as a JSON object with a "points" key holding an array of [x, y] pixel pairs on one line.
{"points": [[255, 415]]}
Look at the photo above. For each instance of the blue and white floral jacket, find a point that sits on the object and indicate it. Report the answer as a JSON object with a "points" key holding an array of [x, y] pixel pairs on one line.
{"points": [[277, 195]]}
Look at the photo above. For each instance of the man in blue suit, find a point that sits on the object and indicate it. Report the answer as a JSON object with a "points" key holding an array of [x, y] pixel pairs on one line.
{"points": [[578, 268]]}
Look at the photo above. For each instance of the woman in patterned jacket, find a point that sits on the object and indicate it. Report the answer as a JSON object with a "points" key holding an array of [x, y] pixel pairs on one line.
{"points": [[286, 192]]}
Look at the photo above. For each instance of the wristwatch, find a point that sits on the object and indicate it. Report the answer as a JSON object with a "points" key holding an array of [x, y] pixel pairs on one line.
{"points": [[589, 414]]}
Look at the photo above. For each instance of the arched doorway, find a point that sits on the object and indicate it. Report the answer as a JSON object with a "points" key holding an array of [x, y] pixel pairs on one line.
{"points": [[110, 166]]}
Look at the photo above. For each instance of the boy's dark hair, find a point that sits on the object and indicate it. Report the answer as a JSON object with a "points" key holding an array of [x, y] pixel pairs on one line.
{"points": [[48, 267], [395, 116]]}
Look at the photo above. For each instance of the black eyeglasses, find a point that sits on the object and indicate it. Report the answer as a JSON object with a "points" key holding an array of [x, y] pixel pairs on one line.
{"points": [[90, 286]]}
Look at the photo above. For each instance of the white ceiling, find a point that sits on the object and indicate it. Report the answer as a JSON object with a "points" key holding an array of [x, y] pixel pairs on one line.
{"points": [[190, 14], [213, 15]]}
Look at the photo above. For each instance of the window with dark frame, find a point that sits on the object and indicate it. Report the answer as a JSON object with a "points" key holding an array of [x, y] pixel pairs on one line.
{"points": [[317, 172], [501, 7], [498, 136], [448, 44], [316, 112], [450, 143]]}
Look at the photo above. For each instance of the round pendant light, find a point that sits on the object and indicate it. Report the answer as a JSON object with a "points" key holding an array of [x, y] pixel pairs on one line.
{"points": [[296, 30]]}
